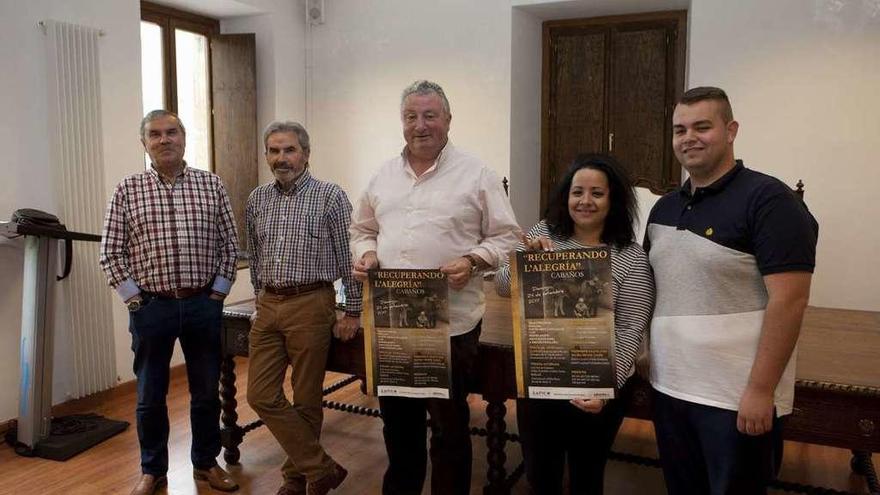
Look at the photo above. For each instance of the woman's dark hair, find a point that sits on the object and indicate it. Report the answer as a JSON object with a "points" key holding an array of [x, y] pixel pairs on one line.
{"points": [[618, 229]]}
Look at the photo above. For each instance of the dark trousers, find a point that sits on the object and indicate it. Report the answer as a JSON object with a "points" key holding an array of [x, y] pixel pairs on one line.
{"points": [[405, 435], [552, 431], [702, 452], [154, 328]]}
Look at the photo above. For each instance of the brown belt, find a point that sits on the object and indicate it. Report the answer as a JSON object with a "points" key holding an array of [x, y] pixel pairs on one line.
{"points": [[297, 289], [181, 293]]}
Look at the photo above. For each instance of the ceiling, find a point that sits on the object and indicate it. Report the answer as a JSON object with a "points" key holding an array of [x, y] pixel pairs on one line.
{"points": [[218, 9]]}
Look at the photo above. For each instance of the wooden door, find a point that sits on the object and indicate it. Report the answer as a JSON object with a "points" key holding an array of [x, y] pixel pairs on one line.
{"points": [[233, 72], [641, 99], [609, 86], [575, 100]]}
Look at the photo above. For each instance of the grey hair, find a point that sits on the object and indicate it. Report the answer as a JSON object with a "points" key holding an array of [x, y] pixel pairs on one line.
{"points": [[423, 87], [156, 114], [287, 126]]}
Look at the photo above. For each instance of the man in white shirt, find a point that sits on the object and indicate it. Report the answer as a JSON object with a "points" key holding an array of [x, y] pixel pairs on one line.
{"points": [[434, 206]]}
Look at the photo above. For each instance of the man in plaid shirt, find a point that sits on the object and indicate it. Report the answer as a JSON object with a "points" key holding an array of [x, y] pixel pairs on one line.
{"points": [[169, 250], [297, 228]]}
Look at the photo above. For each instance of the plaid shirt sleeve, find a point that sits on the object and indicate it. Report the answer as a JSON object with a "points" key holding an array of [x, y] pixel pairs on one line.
{"points": [[113, 240], [227, 245], [253, 241], [339, 221]]}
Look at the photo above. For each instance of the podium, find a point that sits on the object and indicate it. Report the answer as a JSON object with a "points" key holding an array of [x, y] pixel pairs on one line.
{"points": [[34, 425]]}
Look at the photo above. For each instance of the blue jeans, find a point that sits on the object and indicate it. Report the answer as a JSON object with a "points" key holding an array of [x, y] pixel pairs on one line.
{"points": [[702, 452], [196, 322]]}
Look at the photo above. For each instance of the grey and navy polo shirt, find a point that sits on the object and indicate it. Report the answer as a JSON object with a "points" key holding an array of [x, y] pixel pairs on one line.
{"points": [[709, 251]]}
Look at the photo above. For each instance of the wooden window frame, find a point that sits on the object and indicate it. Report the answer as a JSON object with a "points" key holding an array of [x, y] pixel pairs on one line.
{"points": [[170, 19]]}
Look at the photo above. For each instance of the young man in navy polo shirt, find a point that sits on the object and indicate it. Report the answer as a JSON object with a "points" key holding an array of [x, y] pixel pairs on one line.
{"points": [[733, 253]]}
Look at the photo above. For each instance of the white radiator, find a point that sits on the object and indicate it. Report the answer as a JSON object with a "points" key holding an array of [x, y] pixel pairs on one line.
{"points": [[77, 167]]}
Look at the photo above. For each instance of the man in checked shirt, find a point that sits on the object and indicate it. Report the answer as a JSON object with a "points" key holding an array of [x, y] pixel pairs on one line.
{"points": [[169, 250], [297, 228]]}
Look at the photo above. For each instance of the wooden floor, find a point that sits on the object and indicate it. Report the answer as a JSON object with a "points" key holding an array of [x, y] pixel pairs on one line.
{"points": [[354, 441]]}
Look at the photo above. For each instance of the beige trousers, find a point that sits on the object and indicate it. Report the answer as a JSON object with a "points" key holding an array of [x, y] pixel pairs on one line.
{"points": [[292, 331]]}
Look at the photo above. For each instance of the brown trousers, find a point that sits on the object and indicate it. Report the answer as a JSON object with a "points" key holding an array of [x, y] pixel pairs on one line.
{"points": [[292, 331]]}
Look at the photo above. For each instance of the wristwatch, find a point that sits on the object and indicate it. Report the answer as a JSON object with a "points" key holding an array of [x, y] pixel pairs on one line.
{"points": [[135, 305], [473, 260]]}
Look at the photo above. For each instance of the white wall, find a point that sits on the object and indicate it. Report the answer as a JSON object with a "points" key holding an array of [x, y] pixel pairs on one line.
{"points": [[24, 139], [367, 52], [525, 103], [486, 55], [803, 78]]}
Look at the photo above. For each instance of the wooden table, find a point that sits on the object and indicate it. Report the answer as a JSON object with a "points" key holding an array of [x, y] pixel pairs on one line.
{"points": [[837, 392]]}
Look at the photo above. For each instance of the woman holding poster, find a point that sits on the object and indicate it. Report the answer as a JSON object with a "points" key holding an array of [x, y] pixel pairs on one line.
{"points": [[593, 206]]}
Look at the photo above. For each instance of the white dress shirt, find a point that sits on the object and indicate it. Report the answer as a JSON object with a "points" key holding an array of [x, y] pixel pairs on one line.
{"points": [[456, 207]]}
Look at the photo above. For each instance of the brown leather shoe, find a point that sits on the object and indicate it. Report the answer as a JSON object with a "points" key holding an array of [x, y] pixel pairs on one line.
{"points": [[217, 478], [148, 484], [292, 487], [323, 485]]}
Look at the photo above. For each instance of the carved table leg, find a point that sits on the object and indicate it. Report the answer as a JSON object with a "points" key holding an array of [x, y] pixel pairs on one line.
{"points": [[496, 439], [862, 464], [231, 435]]}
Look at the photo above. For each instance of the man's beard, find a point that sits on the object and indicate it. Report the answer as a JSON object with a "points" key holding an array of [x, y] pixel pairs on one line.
{"points": [[288, 167], [291, 174]]}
